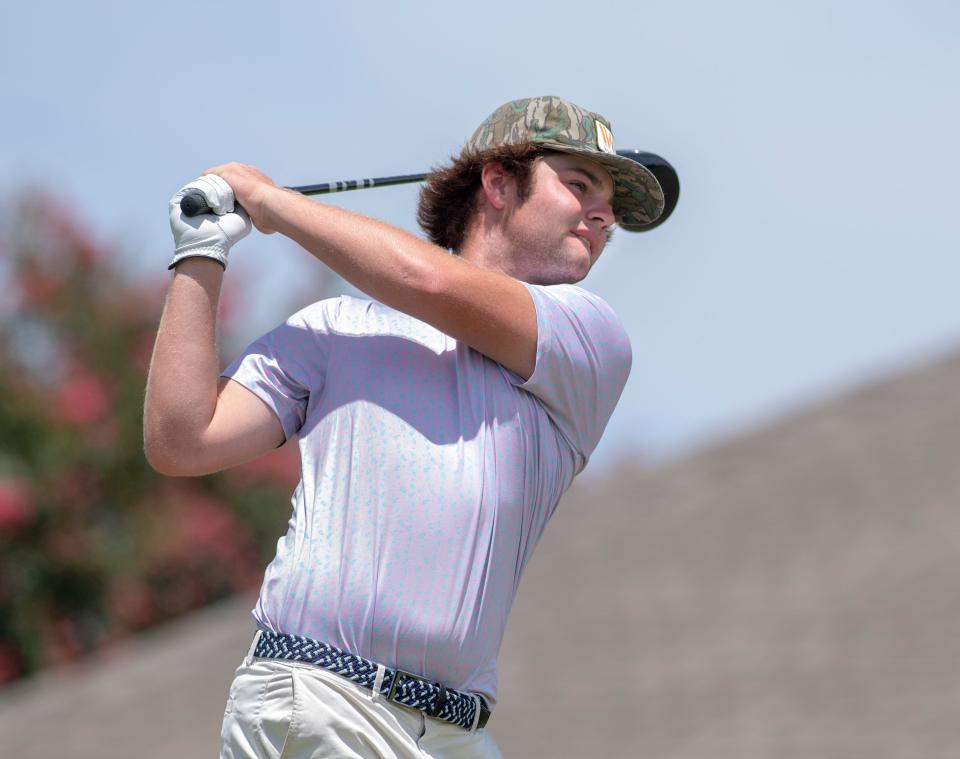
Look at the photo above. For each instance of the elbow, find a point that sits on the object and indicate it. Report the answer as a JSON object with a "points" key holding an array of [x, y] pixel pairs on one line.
{"points": [[157, 445], [161, 464], [169, 457], [160, 459]]}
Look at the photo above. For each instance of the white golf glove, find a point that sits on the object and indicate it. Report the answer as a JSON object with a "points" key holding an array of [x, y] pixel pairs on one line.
{"points": [[209, 235]]}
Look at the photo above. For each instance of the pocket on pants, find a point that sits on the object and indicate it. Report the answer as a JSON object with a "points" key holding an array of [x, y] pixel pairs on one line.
{"points": [[262, 708], [231, 694]]}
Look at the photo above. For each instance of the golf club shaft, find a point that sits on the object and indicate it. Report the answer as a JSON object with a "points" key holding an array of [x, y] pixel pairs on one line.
{"points": [[356, 184], [195, 204]]}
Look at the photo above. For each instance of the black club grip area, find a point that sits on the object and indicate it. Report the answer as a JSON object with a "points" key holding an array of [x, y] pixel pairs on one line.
{"points": [[194, 204]]}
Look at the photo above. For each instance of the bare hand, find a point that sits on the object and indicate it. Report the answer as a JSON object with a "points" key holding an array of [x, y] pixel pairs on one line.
{"points": [[250, 187]]}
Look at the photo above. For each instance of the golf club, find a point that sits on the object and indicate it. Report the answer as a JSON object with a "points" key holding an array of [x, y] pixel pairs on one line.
{"points": [[195, 204]]}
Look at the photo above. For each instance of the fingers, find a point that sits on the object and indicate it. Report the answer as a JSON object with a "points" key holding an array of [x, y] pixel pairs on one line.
{"points": [[239, 173], [208, 235], [219, 195], [249, 184]]}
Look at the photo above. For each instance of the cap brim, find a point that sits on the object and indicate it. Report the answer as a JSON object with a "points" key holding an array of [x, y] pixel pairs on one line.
{"points": [[669, 182], [646, 187]]}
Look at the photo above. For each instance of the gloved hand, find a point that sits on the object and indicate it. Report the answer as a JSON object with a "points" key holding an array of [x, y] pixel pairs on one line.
{"points": [[210, 235]]}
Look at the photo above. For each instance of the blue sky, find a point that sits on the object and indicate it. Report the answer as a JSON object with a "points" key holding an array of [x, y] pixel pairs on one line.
{"points": [[816, 241]]}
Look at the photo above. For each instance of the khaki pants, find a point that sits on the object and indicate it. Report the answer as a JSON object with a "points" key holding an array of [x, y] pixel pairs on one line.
{"points": [[291, 710]]}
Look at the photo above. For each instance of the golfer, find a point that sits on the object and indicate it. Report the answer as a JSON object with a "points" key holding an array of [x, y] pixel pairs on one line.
{"points": [[439, 422]]}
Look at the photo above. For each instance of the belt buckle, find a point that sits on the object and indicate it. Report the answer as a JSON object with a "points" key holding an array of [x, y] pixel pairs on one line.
{"points": [[396, 681]]}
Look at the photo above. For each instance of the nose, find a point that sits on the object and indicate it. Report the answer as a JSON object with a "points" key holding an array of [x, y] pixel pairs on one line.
{"points": [[601, 211]]}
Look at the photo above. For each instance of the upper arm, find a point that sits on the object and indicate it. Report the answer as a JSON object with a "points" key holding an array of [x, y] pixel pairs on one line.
{"points": [[490, 311], [243, 428]]}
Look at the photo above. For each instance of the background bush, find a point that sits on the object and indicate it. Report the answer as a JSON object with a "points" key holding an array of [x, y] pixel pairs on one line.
{"points": [[95, 545]]}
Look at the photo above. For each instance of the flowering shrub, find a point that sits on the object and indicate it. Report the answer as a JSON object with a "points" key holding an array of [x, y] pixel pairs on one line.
{"points": [[95, 545]]}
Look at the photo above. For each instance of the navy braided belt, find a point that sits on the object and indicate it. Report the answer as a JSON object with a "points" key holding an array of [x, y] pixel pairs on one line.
{"points": [[433, 699]]}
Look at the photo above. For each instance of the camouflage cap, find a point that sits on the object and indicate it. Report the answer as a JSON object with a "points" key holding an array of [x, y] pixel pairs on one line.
{"points": [[560, 125]]}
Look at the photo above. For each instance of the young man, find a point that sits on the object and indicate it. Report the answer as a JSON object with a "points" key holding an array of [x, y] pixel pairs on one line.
{"points": [[438, 425]]}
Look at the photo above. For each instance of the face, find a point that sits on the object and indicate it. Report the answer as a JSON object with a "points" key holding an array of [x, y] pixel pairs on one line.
{"points": [[558, 233]]}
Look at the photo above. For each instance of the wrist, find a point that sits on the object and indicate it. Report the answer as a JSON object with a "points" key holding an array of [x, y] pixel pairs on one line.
{"points": [[199, 267], [274, 205], [213, 254]]}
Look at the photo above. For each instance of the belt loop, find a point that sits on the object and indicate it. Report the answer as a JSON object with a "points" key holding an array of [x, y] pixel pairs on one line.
{"points": [[378, 681], [441, 701], [253, 647], [476, 713]]}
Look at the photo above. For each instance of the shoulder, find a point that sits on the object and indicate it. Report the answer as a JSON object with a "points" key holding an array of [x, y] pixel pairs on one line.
{"points": [[583, 362], [565, 307], [572, 296]]}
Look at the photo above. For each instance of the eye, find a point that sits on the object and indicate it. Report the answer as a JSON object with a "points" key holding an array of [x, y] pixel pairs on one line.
{"points": [[582, 186]]}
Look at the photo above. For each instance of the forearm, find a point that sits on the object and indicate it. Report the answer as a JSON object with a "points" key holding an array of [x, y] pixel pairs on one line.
{"points": [[181, 394], [383, 261]]}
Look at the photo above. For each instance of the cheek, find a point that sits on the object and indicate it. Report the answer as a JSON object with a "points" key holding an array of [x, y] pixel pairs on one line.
{"points": [[567, 202], [556, 199]]}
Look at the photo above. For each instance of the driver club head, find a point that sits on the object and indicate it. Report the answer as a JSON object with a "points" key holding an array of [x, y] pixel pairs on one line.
{"points": [[669, 181]]}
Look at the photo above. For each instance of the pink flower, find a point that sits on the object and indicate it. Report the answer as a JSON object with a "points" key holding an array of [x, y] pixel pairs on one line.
{"points": [[60, 639], [130, 600], [16, 508], [38, 288], [10, 668], [201, 523], [82, 399], [207, 520], [280, 467], [78, 238]]}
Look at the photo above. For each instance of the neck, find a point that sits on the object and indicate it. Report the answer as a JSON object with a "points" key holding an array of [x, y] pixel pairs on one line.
{"points": [[485, 246]]}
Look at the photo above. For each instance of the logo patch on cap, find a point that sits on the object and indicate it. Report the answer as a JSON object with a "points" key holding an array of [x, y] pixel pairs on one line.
{"points": [[604, 137]]}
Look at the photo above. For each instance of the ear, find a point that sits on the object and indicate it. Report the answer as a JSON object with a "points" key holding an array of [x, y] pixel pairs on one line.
{"points": [[496, 185]]}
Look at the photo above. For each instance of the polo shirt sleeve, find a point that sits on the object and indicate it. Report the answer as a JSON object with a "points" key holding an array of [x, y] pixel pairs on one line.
{"points": [[287, 365], [583, 361]]}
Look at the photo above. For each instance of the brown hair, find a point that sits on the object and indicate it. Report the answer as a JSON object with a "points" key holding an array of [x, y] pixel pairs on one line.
{"points": [[448, 200]]}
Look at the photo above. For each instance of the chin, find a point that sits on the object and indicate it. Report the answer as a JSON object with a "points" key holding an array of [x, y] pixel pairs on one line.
{"points": [[580, 268], [565, 264], [567, 275]]}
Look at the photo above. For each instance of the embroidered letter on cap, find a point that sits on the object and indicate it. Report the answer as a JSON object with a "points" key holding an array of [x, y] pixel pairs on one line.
{"points": [[604, 137]]}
